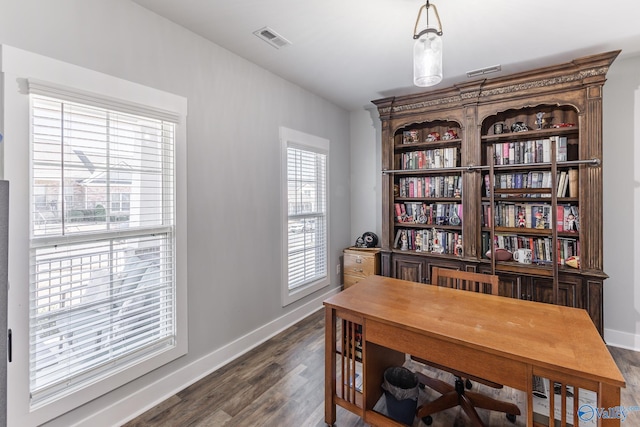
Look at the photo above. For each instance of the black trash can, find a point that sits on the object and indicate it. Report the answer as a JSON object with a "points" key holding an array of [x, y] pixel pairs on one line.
{"points": [[401, 391]]}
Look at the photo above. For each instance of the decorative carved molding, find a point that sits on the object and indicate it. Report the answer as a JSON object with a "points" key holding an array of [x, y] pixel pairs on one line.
{"points": [[601, 71], [428, 103], [593, 72]]}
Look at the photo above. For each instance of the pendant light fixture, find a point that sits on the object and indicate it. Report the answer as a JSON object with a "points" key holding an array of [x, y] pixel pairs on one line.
{"points": [[427, 50]]}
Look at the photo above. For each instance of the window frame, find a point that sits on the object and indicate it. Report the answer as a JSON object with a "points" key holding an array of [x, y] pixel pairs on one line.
{"points": [[17, 66], [315, 144], [83, 272]]}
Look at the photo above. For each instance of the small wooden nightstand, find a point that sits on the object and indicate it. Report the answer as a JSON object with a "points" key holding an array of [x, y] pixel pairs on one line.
{"points": [[360, 263]]}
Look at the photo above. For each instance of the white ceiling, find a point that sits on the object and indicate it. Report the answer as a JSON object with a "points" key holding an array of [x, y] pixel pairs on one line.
{"points": [[353, 51]]}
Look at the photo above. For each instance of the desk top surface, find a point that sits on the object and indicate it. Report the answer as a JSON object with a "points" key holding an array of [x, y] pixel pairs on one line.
{"points": [[545, 335]]}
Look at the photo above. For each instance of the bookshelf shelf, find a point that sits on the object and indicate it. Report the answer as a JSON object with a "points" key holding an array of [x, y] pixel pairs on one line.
{"points": [[427, 145], [553, 166], [531, 134], [470, 168], [522, 191], [429, 199], [523, 230]]}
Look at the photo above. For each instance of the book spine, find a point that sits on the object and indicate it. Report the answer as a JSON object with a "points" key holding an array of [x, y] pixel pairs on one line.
{"points": [[546, 150], [560, 218], [573, 183]]}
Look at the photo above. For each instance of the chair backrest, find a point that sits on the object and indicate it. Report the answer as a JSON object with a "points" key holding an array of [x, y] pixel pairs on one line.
{"points": [[465, 280]]}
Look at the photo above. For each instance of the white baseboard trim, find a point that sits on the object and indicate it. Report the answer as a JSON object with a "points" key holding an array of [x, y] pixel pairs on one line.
{"points": [[622, 339], [146, 398]]}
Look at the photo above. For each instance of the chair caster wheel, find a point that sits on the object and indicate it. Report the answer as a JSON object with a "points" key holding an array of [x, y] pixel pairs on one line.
{"points": [[511, 417], [427, 420], [468, 384]]}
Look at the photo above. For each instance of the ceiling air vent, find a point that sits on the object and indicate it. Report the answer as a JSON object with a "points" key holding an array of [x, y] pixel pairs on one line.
{"points": [[481, 71], [271, 37]]}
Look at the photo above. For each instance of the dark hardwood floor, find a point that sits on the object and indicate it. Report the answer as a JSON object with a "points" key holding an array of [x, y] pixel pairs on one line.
{"points": [[281, 383]]}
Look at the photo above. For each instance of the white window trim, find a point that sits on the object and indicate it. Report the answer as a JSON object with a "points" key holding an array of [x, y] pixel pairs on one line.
{"points": [[293, 137], [17, 66]]}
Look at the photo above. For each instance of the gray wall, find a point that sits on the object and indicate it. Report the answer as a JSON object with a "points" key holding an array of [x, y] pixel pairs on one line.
{"points": [[235, 110], [366, 179], [621, 161]]}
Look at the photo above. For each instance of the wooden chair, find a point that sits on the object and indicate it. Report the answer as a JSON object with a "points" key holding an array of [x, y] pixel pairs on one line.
{"points": [[454, 395]]}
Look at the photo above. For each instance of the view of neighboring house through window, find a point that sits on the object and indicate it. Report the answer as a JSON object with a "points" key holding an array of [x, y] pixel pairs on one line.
{"points": [[102, 245], [306, 213], [120, 202]]}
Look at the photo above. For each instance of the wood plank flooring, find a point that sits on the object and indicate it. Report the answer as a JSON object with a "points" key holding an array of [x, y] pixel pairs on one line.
{"points": [[281, 383]]}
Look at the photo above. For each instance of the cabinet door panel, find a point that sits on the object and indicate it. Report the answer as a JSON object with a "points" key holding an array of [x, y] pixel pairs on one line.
{"points": [[443, 263], [409, 268], [593, 300], [569, 291], [511, 286]]}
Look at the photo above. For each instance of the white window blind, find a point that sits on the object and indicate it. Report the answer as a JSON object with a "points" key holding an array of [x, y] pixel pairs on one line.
{"points": [[307, 216], [102, 258]]}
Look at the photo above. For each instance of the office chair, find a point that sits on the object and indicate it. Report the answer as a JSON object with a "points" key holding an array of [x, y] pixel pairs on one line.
{"points": [[454, 395]]}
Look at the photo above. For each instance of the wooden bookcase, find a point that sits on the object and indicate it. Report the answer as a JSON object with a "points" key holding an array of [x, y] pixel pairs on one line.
{"points": [[452, 179]]}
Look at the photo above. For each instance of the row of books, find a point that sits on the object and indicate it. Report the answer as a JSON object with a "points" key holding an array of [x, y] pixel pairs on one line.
{"points": [[431, 186], [541, 247], [429, 213], [529, 215], [436, 158], [524, 152], [429, 240], [567, 248], [567, 185]]}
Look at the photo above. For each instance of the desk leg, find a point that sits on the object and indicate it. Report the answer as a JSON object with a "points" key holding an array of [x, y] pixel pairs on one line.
{"points": [[609, 397], [329, 365], [529, 388]]}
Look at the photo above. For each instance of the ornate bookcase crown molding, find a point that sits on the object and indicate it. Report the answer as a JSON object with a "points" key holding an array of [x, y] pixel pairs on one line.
{"points": [[545, 79]]}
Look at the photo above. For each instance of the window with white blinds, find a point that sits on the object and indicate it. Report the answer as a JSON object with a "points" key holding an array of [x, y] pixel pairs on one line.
{"points": [[307, 222], [102, 247]]}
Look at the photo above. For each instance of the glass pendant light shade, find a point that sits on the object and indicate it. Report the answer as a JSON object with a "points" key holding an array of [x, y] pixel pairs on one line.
{"points": [[427, 60], [427, 50]]}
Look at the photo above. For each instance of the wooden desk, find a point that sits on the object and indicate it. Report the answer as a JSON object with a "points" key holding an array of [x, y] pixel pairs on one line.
{"points": [[501, 339]]}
